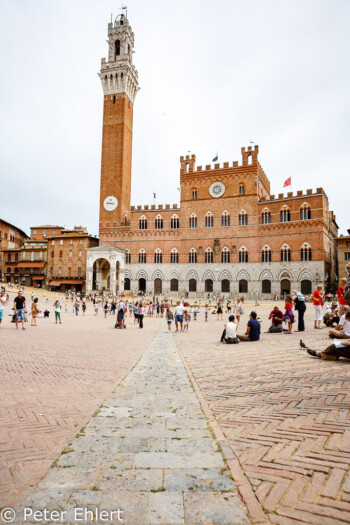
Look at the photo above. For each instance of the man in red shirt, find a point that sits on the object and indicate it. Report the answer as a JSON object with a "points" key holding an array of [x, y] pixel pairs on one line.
{"points": [[276, 317], [340, 294]]}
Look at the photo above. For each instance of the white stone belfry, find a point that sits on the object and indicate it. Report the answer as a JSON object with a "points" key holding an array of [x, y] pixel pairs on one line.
{"points": [[109, 269], [119, 75]]}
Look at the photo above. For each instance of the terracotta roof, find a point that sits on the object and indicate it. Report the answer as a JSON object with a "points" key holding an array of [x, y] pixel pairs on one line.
{"points": [[66, 281], [46, 226], [38, 277]]}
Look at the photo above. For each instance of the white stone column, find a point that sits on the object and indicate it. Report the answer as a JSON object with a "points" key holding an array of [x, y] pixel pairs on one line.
{"points": [[89, 275], [113, 275]]}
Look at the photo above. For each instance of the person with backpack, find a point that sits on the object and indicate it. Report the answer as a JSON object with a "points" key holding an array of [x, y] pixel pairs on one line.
{"points": [[300, 307]]}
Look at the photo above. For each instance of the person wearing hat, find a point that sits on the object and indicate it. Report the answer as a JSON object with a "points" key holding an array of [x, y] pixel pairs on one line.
{"points": [[300, 306]]}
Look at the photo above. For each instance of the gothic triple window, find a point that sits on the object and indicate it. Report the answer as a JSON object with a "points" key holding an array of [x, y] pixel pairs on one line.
{"points": [[209, 220], [209, 256], [193, 221], [243, 218], [143, 223], [158, 223], [243, 255], [225, 219], [192, 256], [266, 216], [285, 253], [305, 212], [266, 254], [142, 257], [285, 214], [158, 256], [127, 257], [225, 255], [174, 256], [174, 223], [306, 253]]}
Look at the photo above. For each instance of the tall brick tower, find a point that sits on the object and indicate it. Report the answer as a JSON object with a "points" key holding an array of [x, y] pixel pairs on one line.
{"points": [[120, 85]]}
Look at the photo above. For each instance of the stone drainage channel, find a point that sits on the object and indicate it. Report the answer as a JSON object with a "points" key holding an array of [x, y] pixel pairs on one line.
{"points": [[147, 456]]}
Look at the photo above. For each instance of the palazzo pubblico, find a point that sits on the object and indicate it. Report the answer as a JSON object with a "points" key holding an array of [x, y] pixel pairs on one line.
{"points": [[229, 235]]}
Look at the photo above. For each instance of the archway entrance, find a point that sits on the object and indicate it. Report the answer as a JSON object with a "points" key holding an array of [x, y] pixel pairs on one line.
{"points": [[192, 285], [208, 285], [285, 287], [225, 286], [127, 285], [306, 287], [101, 275], [157, 286], [142, 285]]}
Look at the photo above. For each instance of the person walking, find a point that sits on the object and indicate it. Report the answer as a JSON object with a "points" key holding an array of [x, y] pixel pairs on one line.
{"points": [[57, 306], [238, 311], [169, 317], [141, 315], [34, 311], [288, 316], [19, 309], [220, 310], [300, 306], [179, 312], [2, 305]]}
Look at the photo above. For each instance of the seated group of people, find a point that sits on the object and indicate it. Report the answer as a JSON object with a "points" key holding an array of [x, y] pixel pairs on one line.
{"points": [[229, 335]]}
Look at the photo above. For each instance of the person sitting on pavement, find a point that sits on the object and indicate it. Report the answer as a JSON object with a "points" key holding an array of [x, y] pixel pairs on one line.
{"points": [[342, 330], [331, 315], [253, 329], [276, 317], [332, 352], [229, 335], [340, 293]]}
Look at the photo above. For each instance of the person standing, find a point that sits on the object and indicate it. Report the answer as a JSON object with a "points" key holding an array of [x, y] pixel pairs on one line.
{"points": [[288, 314], [19, 308], [2, 305], [300, 306], [169, 317], [317, 301], [238, 311], [57, 306], [141, 315], [220, 310], [34, 311], [340, 293], [179, 312]]}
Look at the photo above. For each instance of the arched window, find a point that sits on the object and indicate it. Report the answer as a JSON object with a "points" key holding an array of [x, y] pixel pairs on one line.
{"points": [[194, 194], [142, 256], [174, 223], [266, 286], [158, 223], [127, 257], [225, 286], [193, 221], [243, 255], [285, 253], [127, 283], [158, 256], [209, 220], [174, 256], [266, 216], [243, 218], [306, 253], [192, 256], [305, 212], [285, 214], [192, 285], [209, 256], [117, 48], [225, 255], [266, 254], [241, 189], [143, 223], [225, 219]]}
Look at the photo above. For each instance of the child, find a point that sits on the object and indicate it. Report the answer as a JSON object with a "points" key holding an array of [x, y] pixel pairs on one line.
{"points": [[288, 314], [169, 317], [206, 312], [187, 319]]}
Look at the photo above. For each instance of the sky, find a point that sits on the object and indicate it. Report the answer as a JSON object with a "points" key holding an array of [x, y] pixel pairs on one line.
{"points": [[214, 76]]}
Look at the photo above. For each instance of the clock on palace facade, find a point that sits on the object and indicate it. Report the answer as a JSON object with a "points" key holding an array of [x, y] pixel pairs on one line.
{"points": [[217, 189]]}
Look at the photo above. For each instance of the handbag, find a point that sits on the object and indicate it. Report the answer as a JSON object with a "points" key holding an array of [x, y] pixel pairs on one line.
{"points": [[231, 340]]}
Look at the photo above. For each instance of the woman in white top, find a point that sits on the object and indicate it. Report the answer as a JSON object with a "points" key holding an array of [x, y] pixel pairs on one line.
{"points": [[230, 331], [238, 310]]}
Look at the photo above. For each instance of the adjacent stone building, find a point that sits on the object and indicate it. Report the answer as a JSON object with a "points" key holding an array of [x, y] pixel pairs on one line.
{"points": [[228, 236], [343, 243], [27, 265], [11, 237]]}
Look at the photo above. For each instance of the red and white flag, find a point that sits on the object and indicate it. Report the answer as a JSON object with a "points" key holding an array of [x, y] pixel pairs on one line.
{"points": [[287, 182]]}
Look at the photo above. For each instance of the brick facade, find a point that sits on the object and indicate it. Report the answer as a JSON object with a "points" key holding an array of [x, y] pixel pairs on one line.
{"points": [[343, 244], [11, 238], [229, 234]]}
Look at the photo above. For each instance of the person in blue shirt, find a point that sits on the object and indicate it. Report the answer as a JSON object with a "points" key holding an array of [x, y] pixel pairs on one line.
{"points": [[253, 329]]}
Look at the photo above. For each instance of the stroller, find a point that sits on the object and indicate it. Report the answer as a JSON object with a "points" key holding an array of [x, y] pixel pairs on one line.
{"points": [[120, 321]]}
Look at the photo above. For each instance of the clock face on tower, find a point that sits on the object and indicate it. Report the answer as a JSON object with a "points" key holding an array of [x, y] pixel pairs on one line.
{"points": [[217, 189], [110, 203]]}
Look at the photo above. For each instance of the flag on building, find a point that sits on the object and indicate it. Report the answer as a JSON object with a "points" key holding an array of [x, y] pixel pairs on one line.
{"points": [[215, 158], [287, 182]]}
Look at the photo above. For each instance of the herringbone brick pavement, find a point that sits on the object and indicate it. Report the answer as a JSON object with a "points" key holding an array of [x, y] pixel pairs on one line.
{"points": [[53, 378], [285, 415]]}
